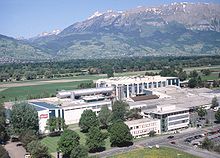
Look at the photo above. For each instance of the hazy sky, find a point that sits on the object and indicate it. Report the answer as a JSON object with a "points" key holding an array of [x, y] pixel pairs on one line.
{"points": [[30, 17]]}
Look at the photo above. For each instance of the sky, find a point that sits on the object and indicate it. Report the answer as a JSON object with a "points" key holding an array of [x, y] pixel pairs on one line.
{"points": [[28, 18]]}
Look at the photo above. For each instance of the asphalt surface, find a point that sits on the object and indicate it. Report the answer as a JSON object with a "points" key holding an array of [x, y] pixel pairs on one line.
{"points": [[14, 150], [163, 141]]}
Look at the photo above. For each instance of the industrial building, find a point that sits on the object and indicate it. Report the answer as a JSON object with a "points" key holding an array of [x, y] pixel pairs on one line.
{"points": [[45, 112], [142, 127], [74, 102], [125, 87]]}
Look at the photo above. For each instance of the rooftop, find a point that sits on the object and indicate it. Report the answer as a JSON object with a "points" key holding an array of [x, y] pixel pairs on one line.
{"points": [[39, 106], [132, 79], [139, 121]]}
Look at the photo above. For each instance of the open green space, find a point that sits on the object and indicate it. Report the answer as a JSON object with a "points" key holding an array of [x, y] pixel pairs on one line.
{"points": [[51, 142], [162, 152], [49, 89], [36, 91]]}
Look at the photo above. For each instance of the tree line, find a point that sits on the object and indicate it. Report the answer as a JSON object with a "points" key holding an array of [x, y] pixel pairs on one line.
{"points": [[57, 69]]}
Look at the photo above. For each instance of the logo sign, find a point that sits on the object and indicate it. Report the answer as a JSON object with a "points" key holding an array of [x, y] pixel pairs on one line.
{"points": [[42, 116]]}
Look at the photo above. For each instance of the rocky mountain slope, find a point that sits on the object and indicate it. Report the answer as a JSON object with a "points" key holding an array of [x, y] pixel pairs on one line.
{"points": [[178, 29]]}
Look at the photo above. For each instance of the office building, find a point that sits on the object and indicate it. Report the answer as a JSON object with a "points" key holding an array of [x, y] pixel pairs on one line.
{"points": [[142, 127], [171, 117]]}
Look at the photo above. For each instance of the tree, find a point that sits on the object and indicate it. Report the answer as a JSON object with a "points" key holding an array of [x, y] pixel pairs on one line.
{"points": [[214, 102], [207, 144], [3, 133], [24, 117], [120, 134], [87, 120], [193, 74], [68, 140], [134, 114], [30, 75], [3, 153], [192, 83], [79, 152], [201, 112], [119, 109], [182, 75], [27, 137], [95, 139], [151, 133], [56, 124], [217, 115], [38, 150], [206, 72], [104, 116]]}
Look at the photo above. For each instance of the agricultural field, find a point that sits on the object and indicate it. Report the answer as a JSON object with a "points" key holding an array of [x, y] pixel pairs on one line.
{"points": [[162, 152], [36, 91], [45, 88]]}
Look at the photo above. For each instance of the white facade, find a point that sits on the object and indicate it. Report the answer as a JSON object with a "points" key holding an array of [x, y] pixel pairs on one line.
{"points": [[43, 116], [141, 127], [73, 111], [172, 118], [124, 87]]}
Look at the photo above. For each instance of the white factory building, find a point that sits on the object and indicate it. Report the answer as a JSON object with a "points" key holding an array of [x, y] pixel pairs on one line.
{"points": [[125, 87], [46, 111], [142, 127]]}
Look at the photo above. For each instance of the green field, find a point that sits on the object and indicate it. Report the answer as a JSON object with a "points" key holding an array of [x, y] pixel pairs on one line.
{"points": [[162, 152], [23, 92], [37, 91], [51, 142]]}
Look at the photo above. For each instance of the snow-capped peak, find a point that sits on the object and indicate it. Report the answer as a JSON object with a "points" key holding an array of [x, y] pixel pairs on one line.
{"points": [[96, 14], [54, 32]]}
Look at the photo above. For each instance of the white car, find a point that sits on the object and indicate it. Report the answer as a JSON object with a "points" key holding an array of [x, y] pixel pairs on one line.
{"points": [[216, 108]]}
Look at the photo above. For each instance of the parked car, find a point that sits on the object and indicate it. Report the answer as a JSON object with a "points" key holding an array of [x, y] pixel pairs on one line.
{"points": [[170, 137], [173, 142]]}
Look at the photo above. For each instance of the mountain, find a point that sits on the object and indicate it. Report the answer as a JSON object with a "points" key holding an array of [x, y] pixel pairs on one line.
{"points": [[15, 50], [177, 29]]}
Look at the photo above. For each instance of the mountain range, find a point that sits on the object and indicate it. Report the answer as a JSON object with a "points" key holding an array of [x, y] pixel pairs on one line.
{"points": [[177, 29]]}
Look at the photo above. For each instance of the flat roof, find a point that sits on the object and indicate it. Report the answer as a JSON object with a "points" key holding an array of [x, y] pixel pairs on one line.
{"points": [[134, 79], [139, 121], [43, 106], [177, 109]]}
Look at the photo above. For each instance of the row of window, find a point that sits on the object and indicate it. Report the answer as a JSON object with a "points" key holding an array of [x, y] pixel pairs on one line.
{"points": [[88, 107], [143, 126], [178, 122], [143, 131], [178, 117]]}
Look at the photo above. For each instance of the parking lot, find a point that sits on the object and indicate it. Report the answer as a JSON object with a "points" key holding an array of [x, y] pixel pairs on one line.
{"points": [[208, 120]]}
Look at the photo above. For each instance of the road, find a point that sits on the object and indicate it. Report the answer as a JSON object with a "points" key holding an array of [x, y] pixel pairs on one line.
{"points": [[15, 151], [163, 141]]}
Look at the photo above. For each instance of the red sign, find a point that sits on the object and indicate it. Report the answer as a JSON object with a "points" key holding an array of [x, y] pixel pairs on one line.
{"points": [[44, 116]]}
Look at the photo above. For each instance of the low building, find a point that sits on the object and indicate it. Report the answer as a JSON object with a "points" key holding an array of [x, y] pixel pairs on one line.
{"points": [[171, 117], [74, 108], [141, 127], [46, 111]]}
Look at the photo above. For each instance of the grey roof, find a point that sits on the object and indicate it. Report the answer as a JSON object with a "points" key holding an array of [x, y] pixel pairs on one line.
{"points": [[43, 106]]}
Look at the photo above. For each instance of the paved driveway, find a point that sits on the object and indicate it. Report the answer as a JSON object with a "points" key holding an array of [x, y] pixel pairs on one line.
{"points": [[15, 151]]}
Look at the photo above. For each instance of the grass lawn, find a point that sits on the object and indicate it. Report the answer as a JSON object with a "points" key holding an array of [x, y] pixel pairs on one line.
{"points": [[212, 76], [51, 142], [163, 152], [24, 92]]}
